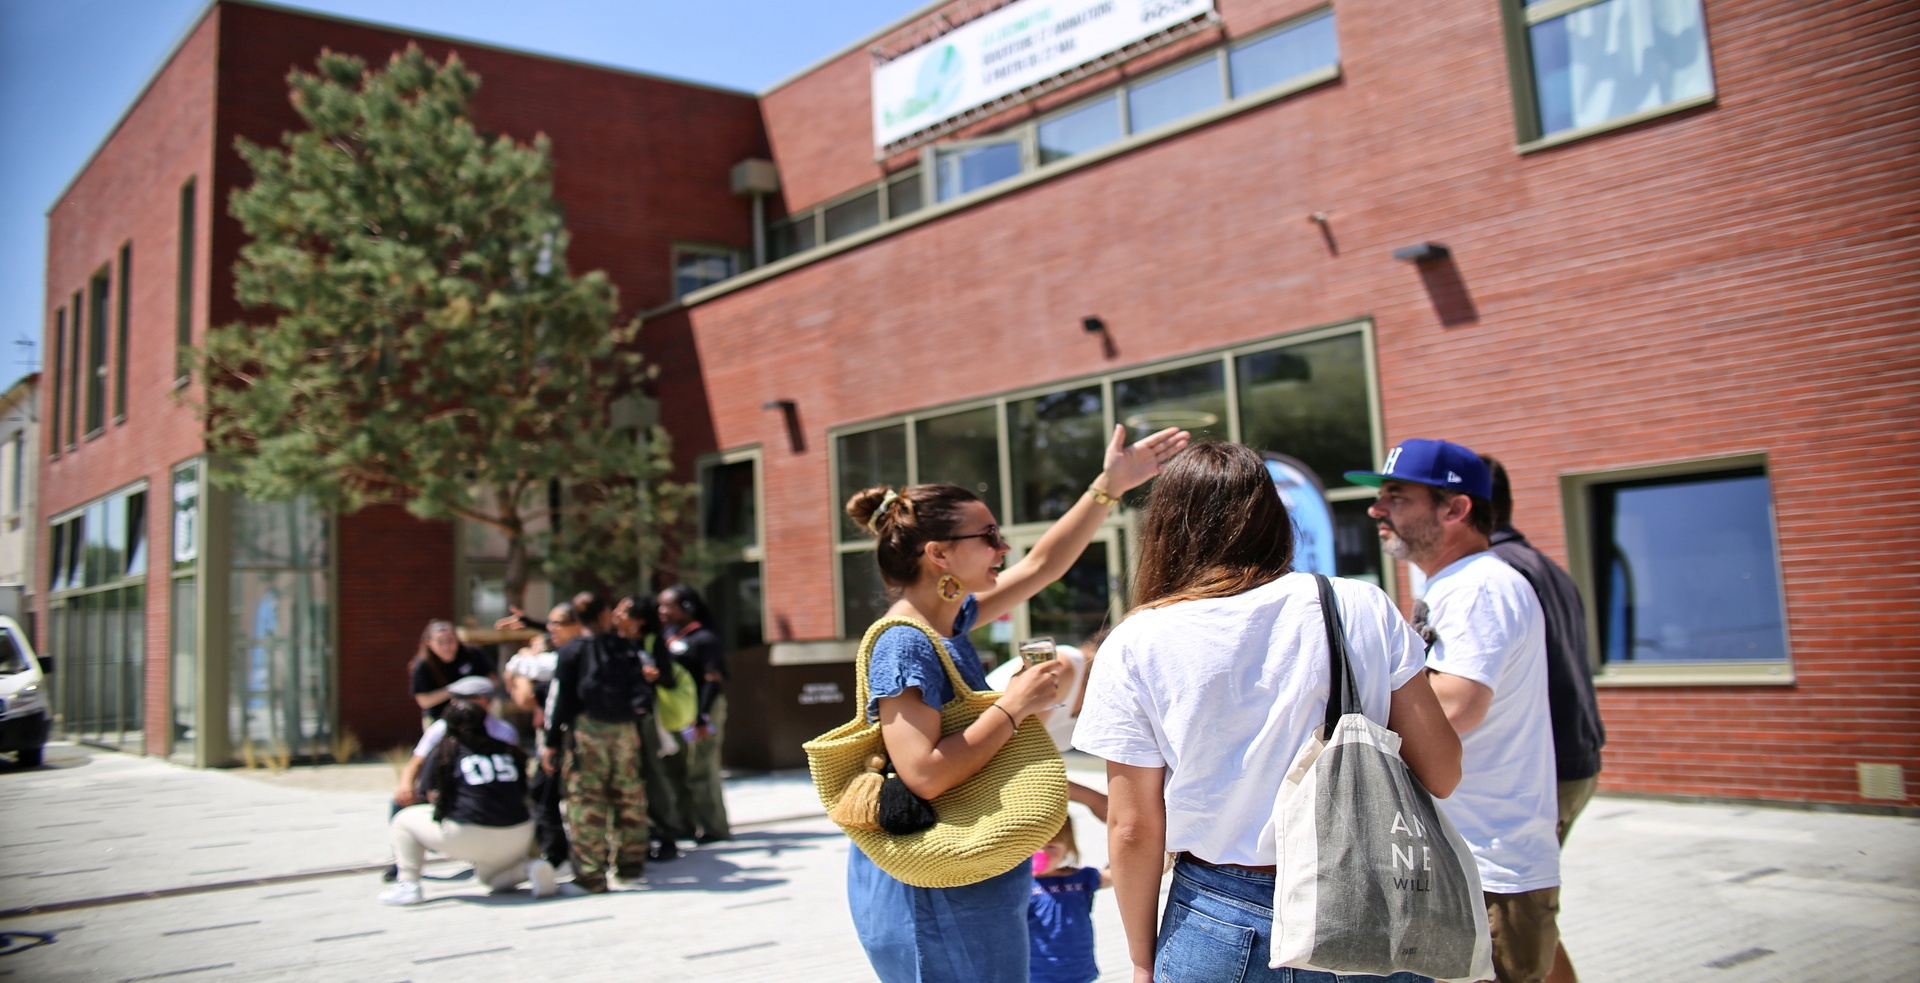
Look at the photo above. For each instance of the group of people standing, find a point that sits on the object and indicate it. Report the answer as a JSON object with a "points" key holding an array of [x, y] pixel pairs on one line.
{"points": [[603, 783], [1204, 696]]}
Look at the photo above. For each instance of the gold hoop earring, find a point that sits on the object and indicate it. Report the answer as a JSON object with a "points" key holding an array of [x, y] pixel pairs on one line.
{"points": [[950, 587]]}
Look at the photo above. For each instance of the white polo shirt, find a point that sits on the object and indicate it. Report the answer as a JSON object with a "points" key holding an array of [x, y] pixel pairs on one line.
{"points": [[1490, 629]]}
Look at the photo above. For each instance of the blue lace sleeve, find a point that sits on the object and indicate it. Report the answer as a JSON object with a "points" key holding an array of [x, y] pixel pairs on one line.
{"points": [[902, 657]]}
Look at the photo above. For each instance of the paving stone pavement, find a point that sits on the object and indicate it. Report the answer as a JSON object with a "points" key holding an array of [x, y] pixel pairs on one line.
{"points": [[264, 877]]}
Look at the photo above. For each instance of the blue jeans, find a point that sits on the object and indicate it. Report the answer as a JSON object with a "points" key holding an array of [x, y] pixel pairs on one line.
{"points": [[1218, 928]]}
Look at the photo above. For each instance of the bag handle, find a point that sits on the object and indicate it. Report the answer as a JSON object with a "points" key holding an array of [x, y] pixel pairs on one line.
{"points": [[864, 660], [1343, 694]]}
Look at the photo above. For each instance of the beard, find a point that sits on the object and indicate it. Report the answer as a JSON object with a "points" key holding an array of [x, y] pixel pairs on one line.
{"points": [[1410, 540]]}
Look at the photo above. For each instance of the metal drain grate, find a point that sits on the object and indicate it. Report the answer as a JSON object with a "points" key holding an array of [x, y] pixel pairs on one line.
{"points": [[1886, 782]]}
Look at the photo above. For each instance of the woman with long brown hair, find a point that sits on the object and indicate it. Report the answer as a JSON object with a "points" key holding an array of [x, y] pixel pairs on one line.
{"points": [[1203, 697], [940, 551]]}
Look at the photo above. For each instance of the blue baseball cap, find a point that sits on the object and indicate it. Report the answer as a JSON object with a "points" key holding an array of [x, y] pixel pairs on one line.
{"points": [[1440, 463]]}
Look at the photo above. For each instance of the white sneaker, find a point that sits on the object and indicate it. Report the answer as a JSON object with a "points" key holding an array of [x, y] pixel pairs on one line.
{"points": [[540, 878], [403, 893]]}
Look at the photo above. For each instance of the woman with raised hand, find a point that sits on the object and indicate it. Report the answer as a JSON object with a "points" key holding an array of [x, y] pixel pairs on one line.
{"points": [[1202, 699], [940, 551]]}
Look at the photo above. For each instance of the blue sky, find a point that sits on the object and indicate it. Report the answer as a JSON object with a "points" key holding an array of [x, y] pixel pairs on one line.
{"points": [[70, 68]]}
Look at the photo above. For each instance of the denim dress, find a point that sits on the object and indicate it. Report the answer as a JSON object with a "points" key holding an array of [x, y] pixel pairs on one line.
{"points": [[936, 935]]}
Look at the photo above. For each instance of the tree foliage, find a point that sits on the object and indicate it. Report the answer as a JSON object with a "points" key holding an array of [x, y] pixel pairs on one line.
{"points": [[427, 344]]}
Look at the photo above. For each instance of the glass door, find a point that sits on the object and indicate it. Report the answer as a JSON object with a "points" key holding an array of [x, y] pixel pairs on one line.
{"points": [[1084, 600]]}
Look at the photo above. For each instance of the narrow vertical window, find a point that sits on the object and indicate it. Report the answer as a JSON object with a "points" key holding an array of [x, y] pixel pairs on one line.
{"points": [[75, 345], [102, 288], [16, 485], [183, 286], [120, 336], [59, 377]]}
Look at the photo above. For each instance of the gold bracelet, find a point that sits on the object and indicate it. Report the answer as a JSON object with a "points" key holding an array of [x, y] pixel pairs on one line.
{"points": [[1009, 713], [1102, 498]]}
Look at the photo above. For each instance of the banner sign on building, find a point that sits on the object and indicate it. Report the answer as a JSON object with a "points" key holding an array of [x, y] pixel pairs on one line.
{"points": [[1021, 43]]}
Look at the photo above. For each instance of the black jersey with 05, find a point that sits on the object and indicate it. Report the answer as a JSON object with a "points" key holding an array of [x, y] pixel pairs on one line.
{"points": [[486, 789]]}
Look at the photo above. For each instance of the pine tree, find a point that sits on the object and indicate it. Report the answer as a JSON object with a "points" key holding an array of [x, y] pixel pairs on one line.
{"points": [[427, 345]]}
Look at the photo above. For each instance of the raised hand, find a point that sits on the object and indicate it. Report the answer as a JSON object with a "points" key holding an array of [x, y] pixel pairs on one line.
{"points": [[1128, 466]]}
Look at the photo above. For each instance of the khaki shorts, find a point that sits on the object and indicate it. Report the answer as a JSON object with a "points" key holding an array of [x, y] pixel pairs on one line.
{"points": [[1573, 798], [1525, 934]]}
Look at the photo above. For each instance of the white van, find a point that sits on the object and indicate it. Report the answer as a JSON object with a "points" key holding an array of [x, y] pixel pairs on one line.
{"points": [[25, 715]]}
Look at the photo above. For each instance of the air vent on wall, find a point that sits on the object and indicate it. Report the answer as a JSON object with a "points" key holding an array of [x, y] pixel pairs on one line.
{"points": [[1882, 782]]}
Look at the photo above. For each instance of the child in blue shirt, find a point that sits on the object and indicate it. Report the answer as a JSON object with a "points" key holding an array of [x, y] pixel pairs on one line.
{"points": [[1060, 913]]}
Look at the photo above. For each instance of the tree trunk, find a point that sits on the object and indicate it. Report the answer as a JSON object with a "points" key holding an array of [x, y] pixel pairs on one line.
{"points": [[516, 578]]}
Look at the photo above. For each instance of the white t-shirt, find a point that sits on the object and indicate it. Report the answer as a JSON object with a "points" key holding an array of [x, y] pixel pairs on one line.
{"points": [[1490, 629], [1059, 723], [500, 729], [537, 666], [1225, 692]]}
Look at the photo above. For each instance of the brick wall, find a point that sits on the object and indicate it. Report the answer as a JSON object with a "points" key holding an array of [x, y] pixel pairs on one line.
{"points": [[1731, 279], [640, 162], [129, 192], [395, 575]]}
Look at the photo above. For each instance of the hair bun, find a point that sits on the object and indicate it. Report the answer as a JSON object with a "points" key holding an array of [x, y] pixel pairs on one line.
{"points": [[865, 504]]}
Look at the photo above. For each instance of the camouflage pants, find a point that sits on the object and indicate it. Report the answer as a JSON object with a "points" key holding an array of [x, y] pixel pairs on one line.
{"points": [[606, 802]]}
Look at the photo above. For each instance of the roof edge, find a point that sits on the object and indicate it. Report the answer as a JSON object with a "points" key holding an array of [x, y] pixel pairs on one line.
{"points": [[818, 64], [153, 77], [453, 39]]}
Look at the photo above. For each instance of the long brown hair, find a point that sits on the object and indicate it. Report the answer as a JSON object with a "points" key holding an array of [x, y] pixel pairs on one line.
{"points": [[1214, 527]]}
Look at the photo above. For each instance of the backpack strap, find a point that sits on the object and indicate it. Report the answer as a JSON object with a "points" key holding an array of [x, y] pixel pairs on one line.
{"points": [[1343, 694]]}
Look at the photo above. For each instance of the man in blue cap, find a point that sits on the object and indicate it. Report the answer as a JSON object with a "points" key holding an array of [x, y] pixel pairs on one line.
{"points": [[1488, 665]]}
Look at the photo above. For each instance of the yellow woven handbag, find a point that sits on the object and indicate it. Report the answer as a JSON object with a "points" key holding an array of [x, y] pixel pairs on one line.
{"points": [[988, 823]]}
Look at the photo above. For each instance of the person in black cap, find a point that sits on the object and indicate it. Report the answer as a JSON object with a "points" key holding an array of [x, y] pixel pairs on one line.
{"points": [[1487, 662]]}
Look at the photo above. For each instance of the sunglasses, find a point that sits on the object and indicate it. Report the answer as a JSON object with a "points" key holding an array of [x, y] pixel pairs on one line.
{"points": [[991, 534]]}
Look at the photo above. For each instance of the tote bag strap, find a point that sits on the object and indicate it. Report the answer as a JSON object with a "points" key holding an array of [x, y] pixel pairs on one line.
{"points": [[864, 660], [1343, 694]]}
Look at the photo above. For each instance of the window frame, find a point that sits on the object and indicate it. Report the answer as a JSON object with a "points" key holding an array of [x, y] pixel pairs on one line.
{"points": [[1575, 504], [1517, 18], [100, 296], [1122, 519], [123, 311], [122, 579], [757, 551], [741, 261]]}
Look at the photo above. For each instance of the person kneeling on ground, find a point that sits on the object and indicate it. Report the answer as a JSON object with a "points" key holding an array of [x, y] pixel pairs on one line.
{"points": [[479, 813]]}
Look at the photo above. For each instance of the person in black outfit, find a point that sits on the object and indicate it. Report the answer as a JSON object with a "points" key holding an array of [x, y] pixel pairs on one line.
{"points": [[479, 812], [441, 659], [598, 697], [545, 786], [635, 620], [1577, 732], [688, 639]]}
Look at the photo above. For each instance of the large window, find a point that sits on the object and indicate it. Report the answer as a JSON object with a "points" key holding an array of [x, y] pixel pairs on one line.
{"points": [[183, 285], [102, 290], [1682, 567], [96, 618], [120, 335], [1584, 64], [730, 524], [1030, 456], [279, 613], [59, 377], [183, 612]]}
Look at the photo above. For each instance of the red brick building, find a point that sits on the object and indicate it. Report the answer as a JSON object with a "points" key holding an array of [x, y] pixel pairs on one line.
{"points": [[267, 624], [1658, 257]]}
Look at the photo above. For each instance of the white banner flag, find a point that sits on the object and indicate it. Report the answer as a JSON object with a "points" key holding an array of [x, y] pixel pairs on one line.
{"points": [[1006, 51]]}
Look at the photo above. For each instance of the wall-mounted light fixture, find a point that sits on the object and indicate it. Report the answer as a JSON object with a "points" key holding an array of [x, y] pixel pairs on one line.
{"points": [[790, 414], [1422, 252], [1092, 324]]}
